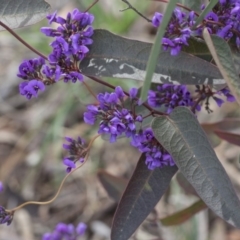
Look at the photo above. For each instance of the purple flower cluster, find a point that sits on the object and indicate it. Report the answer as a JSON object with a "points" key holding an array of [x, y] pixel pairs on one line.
{"points": [[5, 217], [66, 232], [223, 20], [77, 152], [68, 48], [115, 120], [178, 30], [206, 93], [156, 155], [170, 96], [30, 71], [225, 92]]}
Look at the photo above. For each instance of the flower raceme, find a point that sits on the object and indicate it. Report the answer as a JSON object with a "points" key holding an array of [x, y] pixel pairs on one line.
{"points": [[71, 39], [170, 96], [115, 119], [223, 20]]}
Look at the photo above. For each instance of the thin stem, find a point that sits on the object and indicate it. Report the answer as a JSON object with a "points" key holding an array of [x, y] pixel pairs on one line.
{"points": [[90, 90], [22, 41], [61, 185], [91, 5], [47, 202], [135, 10], [193, 108], [179, 5]]}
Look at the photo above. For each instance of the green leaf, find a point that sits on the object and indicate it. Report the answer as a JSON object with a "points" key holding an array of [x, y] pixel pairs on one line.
{"points": [[206, 10], [114, 56], [16, 14], [183, 215], [194, 5], [182, 136], [155, 50], [235, 54], [144, 190], [222, 55], [198, 48], [114, 186]]}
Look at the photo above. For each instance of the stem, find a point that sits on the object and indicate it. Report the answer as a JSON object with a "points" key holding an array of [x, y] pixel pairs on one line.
{"points": [[91, 5], [135, 10], [22, 41], [179, 5], [193, 108], [90, 90], [61, 185]]}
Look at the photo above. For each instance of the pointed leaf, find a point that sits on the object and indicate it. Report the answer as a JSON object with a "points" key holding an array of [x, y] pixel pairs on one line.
{"points": [[229, 137], [155, 50], [183, 215], [16, 14], [182, 136], [144, 190], [114, 186], [114, 56], [222, 55]]}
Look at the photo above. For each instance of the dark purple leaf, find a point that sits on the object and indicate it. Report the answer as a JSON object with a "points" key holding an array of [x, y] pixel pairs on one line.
{"points": [[182, 136], [143, 192], [114, 56]]}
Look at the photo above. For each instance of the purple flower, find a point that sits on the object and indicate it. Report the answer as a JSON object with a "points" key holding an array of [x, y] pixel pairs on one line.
{"points": [[72, 76], [224, 32], [49, 32], [226, 92], [52, 17], [81, 228], [31, 88], [5, 217], [133, 92], [66, 231], [115, 120], [119, 92], [30, 69], [170, 96], [219, 101], [156, 155], [1, 187], [157, 18], [77, 152], [211, 16], [52, 72]]}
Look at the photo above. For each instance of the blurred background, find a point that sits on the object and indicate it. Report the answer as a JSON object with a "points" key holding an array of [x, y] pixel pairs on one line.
{"points": [[32, 133]]}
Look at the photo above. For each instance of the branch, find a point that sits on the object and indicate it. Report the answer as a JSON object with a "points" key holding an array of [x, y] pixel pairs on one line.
{"points": [[135, 10], [22, 41]]}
